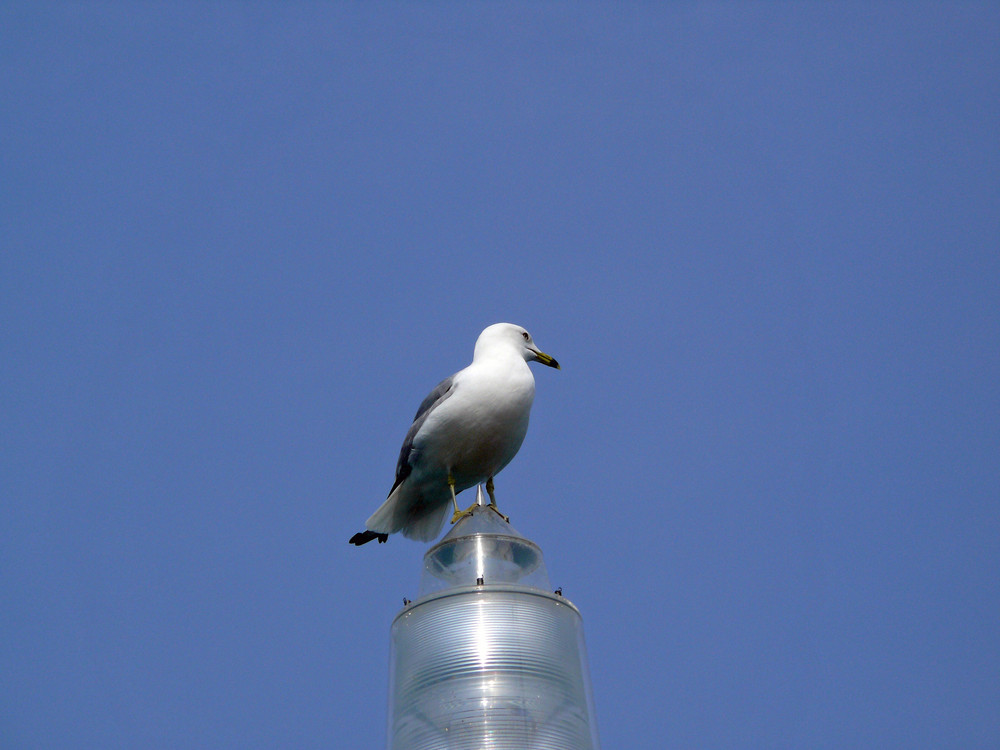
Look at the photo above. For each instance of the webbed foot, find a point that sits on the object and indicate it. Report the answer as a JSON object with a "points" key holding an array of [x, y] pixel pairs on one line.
{"points": [[495, 509], [493, 500]]}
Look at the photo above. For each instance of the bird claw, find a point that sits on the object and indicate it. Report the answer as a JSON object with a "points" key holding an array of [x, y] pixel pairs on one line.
{"points": [[496, 510]]}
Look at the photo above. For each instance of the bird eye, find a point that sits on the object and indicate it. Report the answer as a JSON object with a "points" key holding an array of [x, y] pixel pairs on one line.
{"points": [[526, 336]]}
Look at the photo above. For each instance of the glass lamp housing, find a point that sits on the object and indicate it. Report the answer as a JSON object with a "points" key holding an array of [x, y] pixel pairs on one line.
{"points": [[488, 656]]}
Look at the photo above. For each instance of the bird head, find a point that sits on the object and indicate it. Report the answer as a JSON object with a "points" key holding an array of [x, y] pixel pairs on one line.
{"points": [[510, 335]]}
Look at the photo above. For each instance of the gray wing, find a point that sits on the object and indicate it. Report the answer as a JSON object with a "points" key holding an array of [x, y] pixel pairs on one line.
{"points": [[444, 389]]}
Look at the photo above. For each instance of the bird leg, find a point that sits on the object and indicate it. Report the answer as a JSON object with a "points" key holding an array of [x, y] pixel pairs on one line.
{"points": [[458, 513], [493, 500]]}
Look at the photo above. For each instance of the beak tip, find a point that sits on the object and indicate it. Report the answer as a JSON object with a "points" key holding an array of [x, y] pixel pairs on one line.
{"points": [[545, 359]]}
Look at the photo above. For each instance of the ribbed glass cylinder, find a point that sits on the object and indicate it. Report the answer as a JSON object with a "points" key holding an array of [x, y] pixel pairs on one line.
{"points": [[497, 665]]}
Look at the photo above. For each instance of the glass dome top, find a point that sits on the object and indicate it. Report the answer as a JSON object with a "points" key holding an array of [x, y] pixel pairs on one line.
{"points": [[483, 549]]}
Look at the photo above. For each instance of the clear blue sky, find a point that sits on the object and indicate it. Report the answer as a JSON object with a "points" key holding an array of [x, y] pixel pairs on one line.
{"points": [[241, 241]]}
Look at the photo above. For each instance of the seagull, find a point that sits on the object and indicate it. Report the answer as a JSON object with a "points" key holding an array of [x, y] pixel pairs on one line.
{"points": [[469, 427]]}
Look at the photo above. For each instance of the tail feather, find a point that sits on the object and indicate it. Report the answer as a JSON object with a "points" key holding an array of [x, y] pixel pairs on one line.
{"points": [[402, 512], [426, 526], [391, 515], [363, 537]]}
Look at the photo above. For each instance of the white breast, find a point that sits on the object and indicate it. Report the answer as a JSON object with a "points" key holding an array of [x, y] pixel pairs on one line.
{"points": [[478, 430]]}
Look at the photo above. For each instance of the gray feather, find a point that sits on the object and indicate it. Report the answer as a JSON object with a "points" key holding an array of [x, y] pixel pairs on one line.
{"points": [[444, 389]]}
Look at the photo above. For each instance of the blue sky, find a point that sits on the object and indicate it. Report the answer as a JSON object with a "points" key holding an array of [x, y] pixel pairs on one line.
{"points": [[241, 241]]}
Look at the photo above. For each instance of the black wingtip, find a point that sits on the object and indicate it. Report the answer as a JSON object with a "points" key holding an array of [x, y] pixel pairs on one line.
{"points": [[363, 537]]}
